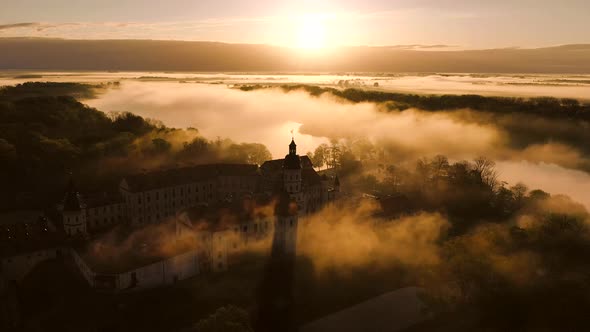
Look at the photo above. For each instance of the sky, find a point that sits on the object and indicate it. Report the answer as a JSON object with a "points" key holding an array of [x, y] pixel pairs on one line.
{"points": [[456, 24]]}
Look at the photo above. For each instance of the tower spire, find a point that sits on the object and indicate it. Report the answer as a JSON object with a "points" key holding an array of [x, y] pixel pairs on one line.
{"points": [[292, 147]]}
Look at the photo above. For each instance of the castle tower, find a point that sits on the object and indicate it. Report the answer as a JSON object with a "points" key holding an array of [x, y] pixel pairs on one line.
{"points": [[73, 212], [292, 170]]}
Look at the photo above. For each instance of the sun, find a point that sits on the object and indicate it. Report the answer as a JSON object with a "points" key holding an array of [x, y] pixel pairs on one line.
{"points": [[312, 32]]}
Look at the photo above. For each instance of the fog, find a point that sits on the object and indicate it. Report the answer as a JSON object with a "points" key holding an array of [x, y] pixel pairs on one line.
{"points": [[529, 85], [267, 116], [549, 177], [344, 237]]}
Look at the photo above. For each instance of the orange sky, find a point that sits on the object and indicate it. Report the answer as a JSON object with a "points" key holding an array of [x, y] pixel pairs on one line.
{"points": [[462, 24]]}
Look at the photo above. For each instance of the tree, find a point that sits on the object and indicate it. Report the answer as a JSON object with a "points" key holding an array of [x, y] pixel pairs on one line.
{"points": [[225, 319], [319, 156], [519, 192], [335, 153], [439, 166], [161, 145], [255, 153], [393, 177], [486, 170]]}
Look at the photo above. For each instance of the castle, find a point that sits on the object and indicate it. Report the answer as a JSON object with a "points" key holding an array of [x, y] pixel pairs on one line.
{"points": [[157, 196], [198, 200]]}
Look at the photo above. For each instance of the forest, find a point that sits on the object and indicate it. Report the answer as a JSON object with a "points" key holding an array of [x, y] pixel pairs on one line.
{"points": [[46, 134], [492, 256]]}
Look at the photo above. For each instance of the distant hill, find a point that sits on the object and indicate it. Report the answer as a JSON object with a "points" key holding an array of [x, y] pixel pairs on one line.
{"points": [[155, 55]]}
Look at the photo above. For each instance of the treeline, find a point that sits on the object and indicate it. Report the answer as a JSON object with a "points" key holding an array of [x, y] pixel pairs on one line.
{"points": [[528, 273], [545, 106], [46, 89], [44, 138], [526, 122], [468, 192], [513, 259]]}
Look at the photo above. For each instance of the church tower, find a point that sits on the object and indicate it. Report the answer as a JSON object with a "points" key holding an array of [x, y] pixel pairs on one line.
{"points": [[292, 170], [292, 175], [73, 212]]}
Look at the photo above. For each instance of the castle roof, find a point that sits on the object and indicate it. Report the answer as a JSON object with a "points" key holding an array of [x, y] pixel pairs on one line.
{"points": [[276, 165], [102, 199], [181, 176]]}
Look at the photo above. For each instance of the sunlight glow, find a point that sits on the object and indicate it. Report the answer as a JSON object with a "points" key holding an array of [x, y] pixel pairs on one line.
{"points": [[312, 32]]}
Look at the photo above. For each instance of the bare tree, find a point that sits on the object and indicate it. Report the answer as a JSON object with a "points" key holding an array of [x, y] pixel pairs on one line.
{"points": [[486, 169]]}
